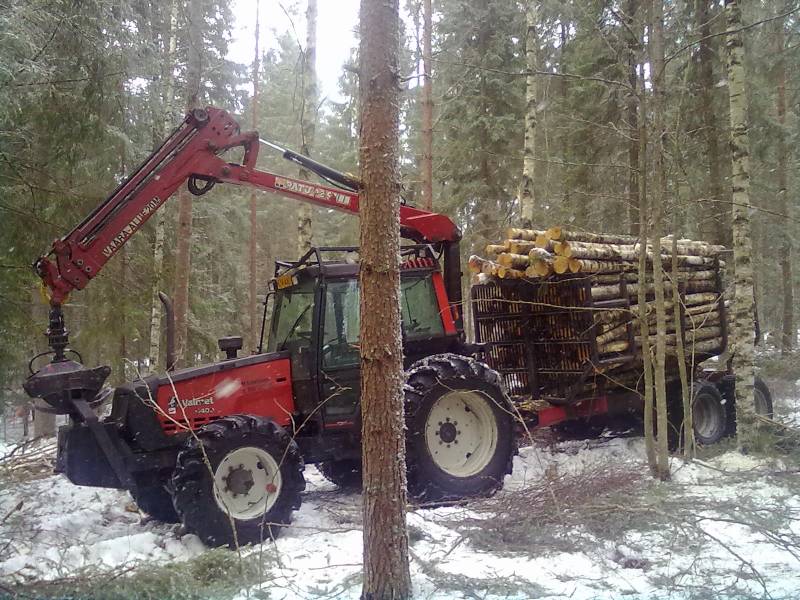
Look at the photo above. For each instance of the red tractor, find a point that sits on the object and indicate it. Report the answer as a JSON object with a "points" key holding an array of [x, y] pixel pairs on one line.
{"points": [[222, 447]]}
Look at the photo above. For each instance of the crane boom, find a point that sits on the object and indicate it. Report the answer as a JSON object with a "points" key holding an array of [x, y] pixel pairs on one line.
{"points": [[193, 153]]}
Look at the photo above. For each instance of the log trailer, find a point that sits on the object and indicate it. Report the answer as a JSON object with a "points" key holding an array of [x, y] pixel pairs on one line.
{"points": [[222, 447]]}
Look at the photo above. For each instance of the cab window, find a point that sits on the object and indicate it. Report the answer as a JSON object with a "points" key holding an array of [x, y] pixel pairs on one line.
{"points": [[419, 311], [419, 308], [292, 317]]}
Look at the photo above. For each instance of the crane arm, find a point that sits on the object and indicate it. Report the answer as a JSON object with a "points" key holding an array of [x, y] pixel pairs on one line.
{"points": [[193, 153]]}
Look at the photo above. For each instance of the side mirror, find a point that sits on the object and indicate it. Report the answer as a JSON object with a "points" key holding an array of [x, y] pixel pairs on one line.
{"points": [[230, 345]]}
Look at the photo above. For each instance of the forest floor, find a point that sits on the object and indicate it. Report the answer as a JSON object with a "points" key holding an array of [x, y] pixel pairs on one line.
{"points": [[578, 519]]}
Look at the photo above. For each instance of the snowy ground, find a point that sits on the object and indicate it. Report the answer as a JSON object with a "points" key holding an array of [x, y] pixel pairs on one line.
{"points": [[726, 527]]}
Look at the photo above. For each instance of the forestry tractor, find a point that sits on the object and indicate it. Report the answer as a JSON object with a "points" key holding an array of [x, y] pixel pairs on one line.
{"points": [[222, 447]]}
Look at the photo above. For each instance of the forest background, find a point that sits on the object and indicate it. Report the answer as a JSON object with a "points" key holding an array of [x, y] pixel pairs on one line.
{"points": [[87, 90]]}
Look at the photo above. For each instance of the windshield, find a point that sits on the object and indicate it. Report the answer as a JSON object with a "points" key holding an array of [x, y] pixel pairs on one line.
{"points": [[292, 317]]}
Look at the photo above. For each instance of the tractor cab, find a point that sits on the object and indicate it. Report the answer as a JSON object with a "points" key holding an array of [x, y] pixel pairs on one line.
{"points": [[315, 318]]}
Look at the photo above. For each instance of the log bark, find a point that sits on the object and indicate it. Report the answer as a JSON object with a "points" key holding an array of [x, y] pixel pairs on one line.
{"points": [[497, 248], [520, 246], [602, 266], [561, 234], [509, 273], [540, 254], [515, 233], [515, 261]]}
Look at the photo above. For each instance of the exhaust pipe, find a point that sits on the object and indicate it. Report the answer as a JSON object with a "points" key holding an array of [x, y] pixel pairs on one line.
{"points": [[169, 314]]}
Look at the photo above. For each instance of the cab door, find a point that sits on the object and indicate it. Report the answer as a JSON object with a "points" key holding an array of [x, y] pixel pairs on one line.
{"points": [[339, 353]]}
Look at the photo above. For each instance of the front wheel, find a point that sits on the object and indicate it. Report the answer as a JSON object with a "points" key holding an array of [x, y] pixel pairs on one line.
{"points": [[460, 438], [239, 481]]}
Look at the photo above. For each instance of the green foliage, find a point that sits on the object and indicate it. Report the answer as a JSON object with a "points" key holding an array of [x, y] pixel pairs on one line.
{"points": [[213, 574], [87, 89]]}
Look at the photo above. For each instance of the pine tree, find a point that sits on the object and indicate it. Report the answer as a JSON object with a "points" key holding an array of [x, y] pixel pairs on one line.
{"points": [[386, 570]]}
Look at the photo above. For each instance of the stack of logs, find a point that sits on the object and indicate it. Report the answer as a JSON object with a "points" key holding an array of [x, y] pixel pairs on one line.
{"points": [[610, 263]]}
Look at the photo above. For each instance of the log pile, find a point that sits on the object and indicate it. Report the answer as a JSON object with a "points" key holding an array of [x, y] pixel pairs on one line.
{"points": [[609, 263]]}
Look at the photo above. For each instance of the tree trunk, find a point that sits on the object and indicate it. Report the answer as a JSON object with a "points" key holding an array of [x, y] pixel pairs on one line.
{"points": [[252, 304], [308, 120], [656, 47], [183, 256], [386, 569], [683, 374], [632, 118], [714, 217], [162, 123], [427, 107], [743, 307], [527, 195], [789, 332]]}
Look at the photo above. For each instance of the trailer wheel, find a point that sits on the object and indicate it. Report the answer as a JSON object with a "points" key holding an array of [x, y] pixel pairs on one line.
{"points": [[346, 473], [156, 501], [251, 482], [709, 415], [460, 438]]}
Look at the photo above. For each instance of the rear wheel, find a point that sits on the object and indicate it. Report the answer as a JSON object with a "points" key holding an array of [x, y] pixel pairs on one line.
{"points": [[460, 429], [709, 416], [346, 473], [250, 485], [762, 399]]}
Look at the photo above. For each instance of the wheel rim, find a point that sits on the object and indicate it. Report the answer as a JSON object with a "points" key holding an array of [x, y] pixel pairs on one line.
{"points": [[247, 483], [705, 416], [461, 433]]}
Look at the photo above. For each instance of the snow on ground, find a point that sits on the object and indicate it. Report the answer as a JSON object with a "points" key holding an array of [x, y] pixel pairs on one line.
{"points": [[701, 550]]}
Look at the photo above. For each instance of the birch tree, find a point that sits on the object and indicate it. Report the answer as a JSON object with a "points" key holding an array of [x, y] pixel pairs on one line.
{"points": [[656, 48], [741, 336], [527, 194]]}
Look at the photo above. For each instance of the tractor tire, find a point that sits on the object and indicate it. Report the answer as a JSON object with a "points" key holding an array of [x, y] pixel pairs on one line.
{"points": [[346, 474], [156, 501], [460, 439], [251, 488]]}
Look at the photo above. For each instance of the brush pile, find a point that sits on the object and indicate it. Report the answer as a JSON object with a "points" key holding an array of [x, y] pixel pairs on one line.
{"points": [[545, 271]]}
